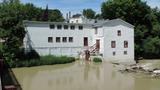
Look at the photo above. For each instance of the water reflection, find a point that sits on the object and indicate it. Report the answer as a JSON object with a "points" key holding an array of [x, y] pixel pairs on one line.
{"points": [[82, 75]]}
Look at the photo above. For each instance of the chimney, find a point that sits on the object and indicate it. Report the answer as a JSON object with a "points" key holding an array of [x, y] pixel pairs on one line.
{"points": [[69, 14]]}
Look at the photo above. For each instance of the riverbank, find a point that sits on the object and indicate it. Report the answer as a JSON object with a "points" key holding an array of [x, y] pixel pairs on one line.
{"points": [[43, 60]]}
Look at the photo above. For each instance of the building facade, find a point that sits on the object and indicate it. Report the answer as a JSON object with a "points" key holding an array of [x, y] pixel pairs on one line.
{"points": [[112, 39]]}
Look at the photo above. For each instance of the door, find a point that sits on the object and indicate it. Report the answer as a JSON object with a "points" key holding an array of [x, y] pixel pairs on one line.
{"points": [[85, 41], [98, 44]]}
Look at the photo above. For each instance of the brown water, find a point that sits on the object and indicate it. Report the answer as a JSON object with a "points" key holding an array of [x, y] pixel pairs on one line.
{"points": [[83, 76]]}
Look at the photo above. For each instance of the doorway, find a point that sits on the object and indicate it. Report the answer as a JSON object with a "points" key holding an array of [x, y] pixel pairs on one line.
{"points": [[85, 41], [98, 44]]}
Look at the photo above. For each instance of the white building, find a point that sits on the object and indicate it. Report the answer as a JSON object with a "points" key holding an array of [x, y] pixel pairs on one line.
{"points": [[112, 39]]}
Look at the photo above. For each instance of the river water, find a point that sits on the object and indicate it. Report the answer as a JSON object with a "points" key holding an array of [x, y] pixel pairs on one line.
{"points": [[82, 75]]}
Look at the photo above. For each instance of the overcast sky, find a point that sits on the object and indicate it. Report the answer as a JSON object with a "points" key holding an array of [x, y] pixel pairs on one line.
{"points": [[76, 6]]}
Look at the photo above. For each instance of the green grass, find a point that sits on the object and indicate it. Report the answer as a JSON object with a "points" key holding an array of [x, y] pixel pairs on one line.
{"points": [[44, 60], [97, 59]]}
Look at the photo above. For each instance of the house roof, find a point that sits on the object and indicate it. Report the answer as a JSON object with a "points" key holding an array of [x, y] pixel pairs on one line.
{"points": [[99, 24], [113, 21], [63, 23]]}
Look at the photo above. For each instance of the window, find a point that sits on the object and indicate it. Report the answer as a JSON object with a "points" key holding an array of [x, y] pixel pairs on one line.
{"points": [[59, 26], [72, 27], [119, 33], [50, 39], [114, 53], [58, 39], [80, 27], [95, 21], [125, 52], [70, 39], [113, 44], [64, 39], [52, 26], [96, 31], [76, 21], [65, 26], [125, 44]]}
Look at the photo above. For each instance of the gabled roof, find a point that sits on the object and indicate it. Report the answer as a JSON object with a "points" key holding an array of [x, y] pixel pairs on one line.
{"points": [[107, 22], [119, 20]]}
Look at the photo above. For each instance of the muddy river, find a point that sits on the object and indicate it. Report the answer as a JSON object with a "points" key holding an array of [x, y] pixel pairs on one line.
{"points": [[82, 75]]}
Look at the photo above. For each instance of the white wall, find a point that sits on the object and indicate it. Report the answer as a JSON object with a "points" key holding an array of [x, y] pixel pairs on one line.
{"points": [[127, 34], [39, 33], [74, 20], [100, 36]]}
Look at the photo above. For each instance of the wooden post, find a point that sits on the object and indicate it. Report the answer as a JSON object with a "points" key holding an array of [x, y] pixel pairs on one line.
{"points": [[87, 55]]}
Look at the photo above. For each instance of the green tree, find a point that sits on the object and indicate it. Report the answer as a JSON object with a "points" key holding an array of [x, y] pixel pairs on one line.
{"points": [[89, 13], [12, 14], [55, 15], [138, 13], [151, 47]]}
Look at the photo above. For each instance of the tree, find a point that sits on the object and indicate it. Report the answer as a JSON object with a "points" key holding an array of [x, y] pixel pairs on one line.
{"points": [[45, 14], [98, 16], [12, 14], [55, 15], [89, 13], [151, 47], [137, 12]]}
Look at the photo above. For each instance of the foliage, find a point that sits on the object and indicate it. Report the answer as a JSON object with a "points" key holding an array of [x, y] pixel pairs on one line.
{"points": [[12, 14], [43, 60], [97, 59], [55, 15], [89, 13], [151, 47], [145, 19]]}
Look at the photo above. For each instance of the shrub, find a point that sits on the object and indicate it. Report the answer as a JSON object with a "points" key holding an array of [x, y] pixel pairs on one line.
{"points": [[44, 60], [97, 59]]}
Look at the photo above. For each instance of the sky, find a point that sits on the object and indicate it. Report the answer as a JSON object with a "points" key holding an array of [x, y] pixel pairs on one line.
{"points": [[76, 6]]}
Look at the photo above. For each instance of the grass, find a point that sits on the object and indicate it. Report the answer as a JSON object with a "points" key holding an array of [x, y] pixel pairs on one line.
{"points": [[43, 60], [97, 59]]}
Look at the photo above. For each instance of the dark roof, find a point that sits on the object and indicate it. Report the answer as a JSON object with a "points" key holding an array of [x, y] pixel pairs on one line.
{"points": [[76, 15]]}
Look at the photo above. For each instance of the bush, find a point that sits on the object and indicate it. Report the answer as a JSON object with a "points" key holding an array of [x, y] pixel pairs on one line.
{"points": [[44, 60], [97, 59]]}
